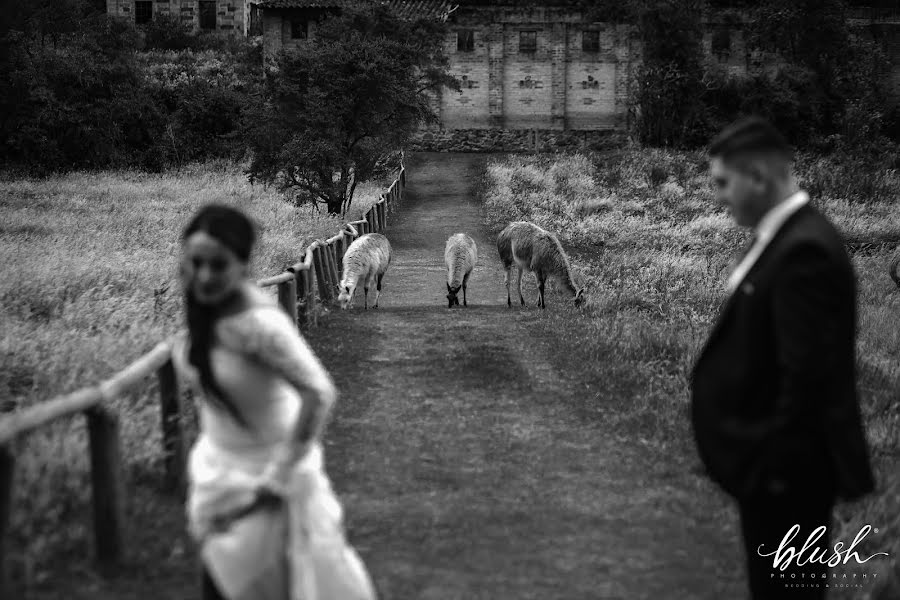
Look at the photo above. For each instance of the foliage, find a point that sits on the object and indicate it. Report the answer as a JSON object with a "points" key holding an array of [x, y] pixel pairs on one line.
{"points": [[206, 96], [844, 70], [655, 285], [79, 92], [820, 81], [114, 236], [77, 102], [339, 107], [168, 32], [668, 82]]}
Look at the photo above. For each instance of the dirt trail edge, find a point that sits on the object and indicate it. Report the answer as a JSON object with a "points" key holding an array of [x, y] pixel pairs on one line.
{"points": [[465, 470]]}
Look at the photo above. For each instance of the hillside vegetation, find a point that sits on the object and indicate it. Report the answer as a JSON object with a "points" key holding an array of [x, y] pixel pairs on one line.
{"points": [[653, 247], [89, 284]]}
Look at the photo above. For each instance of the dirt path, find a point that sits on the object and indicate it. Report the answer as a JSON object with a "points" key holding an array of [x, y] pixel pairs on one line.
{"points": [[467, 450], [461, 448]]}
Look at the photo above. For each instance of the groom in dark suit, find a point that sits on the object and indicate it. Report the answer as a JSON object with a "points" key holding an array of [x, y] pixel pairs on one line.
{"points": [[775, 413]]}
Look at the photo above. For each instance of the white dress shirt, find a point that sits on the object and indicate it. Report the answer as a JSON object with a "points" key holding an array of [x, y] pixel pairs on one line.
{"points": [[766, 229]]}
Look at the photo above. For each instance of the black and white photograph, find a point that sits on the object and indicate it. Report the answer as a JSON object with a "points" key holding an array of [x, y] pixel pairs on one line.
{"points": [[450, 299]]}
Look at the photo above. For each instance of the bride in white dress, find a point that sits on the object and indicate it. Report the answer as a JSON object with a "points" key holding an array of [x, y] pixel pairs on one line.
{"points": [[260, 505]]}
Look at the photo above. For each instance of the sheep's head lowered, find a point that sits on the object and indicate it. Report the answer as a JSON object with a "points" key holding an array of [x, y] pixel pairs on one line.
{"points": [[452, 297], [580, 297], [345, 297]]}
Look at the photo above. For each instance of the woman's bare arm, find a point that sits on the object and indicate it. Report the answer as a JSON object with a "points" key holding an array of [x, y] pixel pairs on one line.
{"points": [[277, 344]]}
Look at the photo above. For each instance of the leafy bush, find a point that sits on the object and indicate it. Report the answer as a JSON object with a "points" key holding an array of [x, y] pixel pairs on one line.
{"points": [[667, 84], [93, 100], [168, 32], [205, 96]]}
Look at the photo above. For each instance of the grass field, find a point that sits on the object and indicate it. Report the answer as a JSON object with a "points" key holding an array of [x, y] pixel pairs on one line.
{"points": [[653, 248], [89, 263], [89, 283]]}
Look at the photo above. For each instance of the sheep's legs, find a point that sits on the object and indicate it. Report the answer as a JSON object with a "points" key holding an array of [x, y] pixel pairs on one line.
{"points": [[521, 297], [378, 289], [366, 300], [506, 281], [541, 302], [465, 284]]}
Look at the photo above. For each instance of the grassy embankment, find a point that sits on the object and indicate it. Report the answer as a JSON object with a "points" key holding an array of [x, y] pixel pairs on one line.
{"points": [[653, 248], [89, 284]]}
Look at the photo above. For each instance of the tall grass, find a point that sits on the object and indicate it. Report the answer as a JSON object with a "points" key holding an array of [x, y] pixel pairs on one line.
{"points": [[89, 283], [653, 249]]}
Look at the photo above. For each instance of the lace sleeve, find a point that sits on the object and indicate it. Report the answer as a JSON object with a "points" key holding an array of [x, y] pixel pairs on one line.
{"points": [[269, 337]]}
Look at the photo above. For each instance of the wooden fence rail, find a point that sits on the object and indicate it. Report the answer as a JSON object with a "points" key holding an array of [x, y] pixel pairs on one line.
{"points": [[317, 275]]}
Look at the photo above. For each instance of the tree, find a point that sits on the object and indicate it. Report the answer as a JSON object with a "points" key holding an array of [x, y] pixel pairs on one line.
{"points": [[842, 69], [341, 104], [668, 83]]}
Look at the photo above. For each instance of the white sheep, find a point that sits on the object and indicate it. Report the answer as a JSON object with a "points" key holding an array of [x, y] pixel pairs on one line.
{"points": [[367, 259], [534, 249], [460, 256]]}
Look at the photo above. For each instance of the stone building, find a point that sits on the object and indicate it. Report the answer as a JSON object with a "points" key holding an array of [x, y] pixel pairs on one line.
{"points": [[232, 17], [540, 76], [532, 76], [287, 23], [529, 75]]}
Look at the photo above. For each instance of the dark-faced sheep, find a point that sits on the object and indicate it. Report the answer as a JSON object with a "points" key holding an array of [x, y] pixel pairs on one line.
{"points": [[534, 249]]}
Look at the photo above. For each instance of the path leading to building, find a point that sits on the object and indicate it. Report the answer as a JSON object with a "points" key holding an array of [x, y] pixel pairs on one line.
{"points": [[462, 451], [466, 468]]}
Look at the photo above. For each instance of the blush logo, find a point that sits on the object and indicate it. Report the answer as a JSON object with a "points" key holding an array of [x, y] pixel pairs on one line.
{"points": [[787, 553]]}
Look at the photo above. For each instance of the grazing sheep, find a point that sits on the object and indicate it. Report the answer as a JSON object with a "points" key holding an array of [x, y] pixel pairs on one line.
{"points": [[534, 249], [460, 256], [892, 269], [366, 260]]}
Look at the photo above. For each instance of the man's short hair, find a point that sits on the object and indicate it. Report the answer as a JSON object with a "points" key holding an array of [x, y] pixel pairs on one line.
{"points": [[751, 135]]}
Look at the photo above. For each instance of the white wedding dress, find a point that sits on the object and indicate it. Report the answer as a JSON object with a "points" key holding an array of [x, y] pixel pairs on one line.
{"points": [[297, 552]]}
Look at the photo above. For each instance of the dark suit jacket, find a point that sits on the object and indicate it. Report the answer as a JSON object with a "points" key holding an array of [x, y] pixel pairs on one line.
{"points": [[774, 389]]}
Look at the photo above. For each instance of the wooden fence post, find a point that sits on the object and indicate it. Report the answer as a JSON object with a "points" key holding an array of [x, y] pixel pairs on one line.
{"points": [[335, 269], [339, 249], [310, 286], [330, 252], [321, 277], [173, 439], [287, 298], [7, 471], [330, 280], [302, 296], [108, 485]]}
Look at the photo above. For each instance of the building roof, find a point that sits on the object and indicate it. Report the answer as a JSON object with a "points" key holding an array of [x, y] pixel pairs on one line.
{"points": [[404, 8]]}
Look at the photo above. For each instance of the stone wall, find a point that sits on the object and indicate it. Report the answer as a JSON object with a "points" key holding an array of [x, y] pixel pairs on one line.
{"points": [[516, 140], [232, 16], [558, 85], [278, 29], [564, 92]]}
